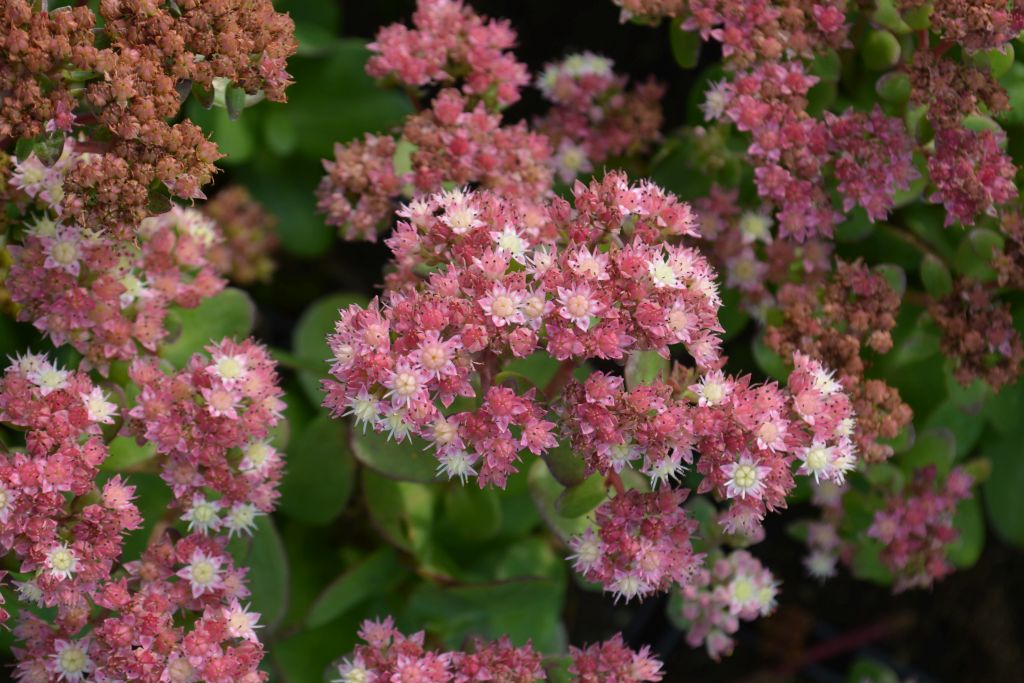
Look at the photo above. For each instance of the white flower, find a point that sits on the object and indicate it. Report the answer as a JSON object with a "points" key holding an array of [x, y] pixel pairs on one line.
{"points": [[257, 456], [98, 407], [71, 660], [61, 561], [230, 369], [203, 573], [746, 477], [48, 377], [241, 519], [456, 463], [203, 515], [508, 240], [241, 622], [365, 408]]}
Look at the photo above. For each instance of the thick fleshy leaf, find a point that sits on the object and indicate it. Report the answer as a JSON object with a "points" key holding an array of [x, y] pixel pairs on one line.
{"points": [[970, 525], [581, 498], [321, 472], [545, 490], [268, 572], [1003, 498], [527, 609], [472, 512], [406, 461], [125, 452], [309, 340], [230, 313], [378, 573]]}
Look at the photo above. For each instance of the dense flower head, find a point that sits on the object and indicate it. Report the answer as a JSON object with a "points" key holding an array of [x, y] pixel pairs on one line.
{"points": [[245, 255], [594, 116], [107, 298], [453, 141], [62, 413], [734, 587], [612, 660], [873, 159], [113, 76], [836, 321], [769, 30], [497, 291], [211, 421], [916, 527], [449, 42], [386, 654], [173, 615], [974, 24], [952, 90], [979, 335], [650, 8], [1009, 262], [972, 175], [641, 544]]}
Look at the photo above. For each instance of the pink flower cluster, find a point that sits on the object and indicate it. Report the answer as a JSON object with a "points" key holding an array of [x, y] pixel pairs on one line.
{"points": [[748, 437], [107, 298], [971, 174], [769, 30], [388, 655], [736, 587], [916, 527], [212, 421], [790, 150], [497, 290], [137, 632], [642, 544], [593, 116], [650, 8], [974, 24], [454, 141], [71, 555], [449, 43], [873, 159], [62, 413]]}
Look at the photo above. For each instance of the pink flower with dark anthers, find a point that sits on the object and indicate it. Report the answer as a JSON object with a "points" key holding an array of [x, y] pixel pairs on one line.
{"points": [[241, 623], [972, 175], [449, 42], [916, 527], [578, 305], [504, 306], [731, 588], [478, 296], [641, 544]]}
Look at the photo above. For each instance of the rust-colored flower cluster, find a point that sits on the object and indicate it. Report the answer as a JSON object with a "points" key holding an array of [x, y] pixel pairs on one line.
{"points": [[113, 79], [978, 333], [250, 236], [834, 322]]}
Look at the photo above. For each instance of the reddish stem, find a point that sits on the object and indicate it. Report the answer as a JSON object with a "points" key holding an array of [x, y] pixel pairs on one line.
{"points": [[942, 47], [560, 379], [92, 146], [848, 642], [615, 481]]}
